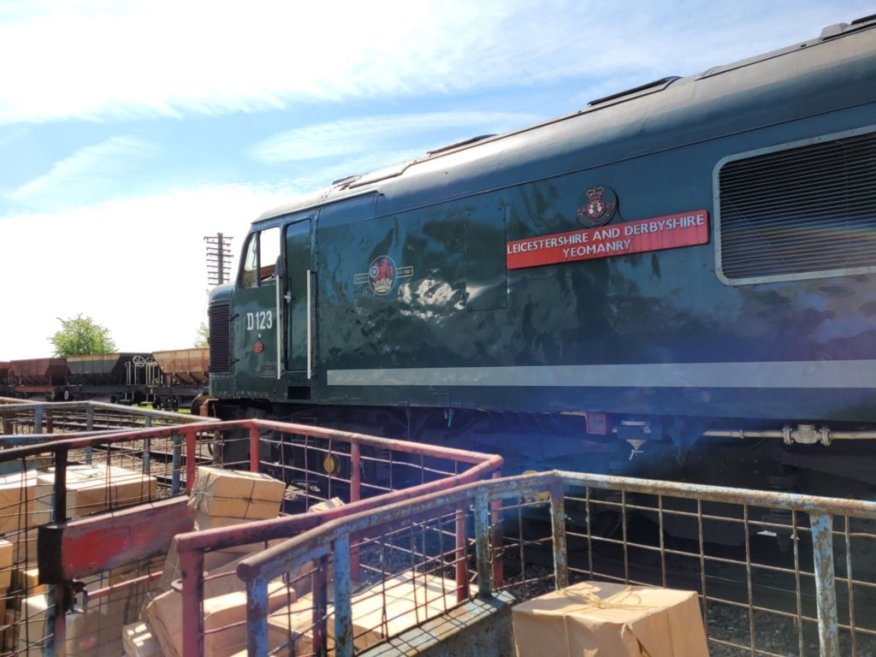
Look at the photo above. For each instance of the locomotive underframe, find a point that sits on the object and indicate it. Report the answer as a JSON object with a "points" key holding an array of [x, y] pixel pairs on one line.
{"points": [[754, 454]]}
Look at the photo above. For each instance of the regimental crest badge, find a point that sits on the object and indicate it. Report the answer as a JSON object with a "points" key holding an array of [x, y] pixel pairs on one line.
{"points": [[597, 206], [382, 275]]}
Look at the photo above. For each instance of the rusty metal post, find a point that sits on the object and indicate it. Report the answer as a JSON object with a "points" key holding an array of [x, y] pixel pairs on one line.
{"points": [[256, 618], [89, 426], [461, 560], [355, 496], [191, 565], [55, 617], [147, 447], [320, 606], [498, 550], [57, 621], [176, 459], [482, 544], [147, 456], [343, 606], [191, 457], [254, 435], [50, 422], [558, 533], [355, 472], [59, 506], [825, 584], [38, 419]]}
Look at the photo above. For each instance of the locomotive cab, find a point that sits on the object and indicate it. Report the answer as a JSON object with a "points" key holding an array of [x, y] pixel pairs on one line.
{"points": [[260, 326]]}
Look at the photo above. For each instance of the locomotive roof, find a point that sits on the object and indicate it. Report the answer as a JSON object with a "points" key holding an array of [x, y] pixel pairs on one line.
{"points": [[652, 108]]}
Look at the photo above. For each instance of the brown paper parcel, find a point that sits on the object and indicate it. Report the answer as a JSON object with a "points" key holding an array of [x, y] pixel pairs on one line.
{"points": [[17, 493], [224, 619], [600, 619], [236, 494], [138, 641], [92, 488]]}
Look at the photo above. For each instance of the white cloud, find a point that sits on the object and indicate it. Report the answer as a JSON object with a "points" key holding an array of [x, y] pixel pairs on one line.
{"points": [[137, 266], [85, 173], [101, 60], [364, 134], [362, 163]]}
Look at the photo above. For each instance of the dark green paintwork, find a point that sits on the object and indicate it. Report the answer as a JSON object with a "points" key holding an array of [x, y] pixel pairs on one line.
{"points": [[450, 216]]}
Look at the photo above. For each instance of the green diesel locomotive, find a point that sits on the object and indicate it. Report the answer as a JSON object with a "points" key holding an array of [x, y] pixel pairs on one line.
{"points": [[633, 287]]}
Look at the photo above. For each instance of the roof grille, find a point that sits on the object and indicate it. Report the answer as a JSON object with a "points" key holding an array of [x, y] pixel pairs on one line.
{"points": [[802, 212]]}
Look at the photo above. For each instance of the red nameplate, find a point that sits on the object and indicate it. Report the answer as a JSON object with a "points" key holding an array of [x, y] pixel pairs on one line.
{"points": [[668, 232]]}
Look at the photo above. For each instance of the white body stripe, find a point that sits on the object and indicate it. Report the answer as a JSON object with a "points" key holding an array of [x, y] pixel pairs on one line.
{"points": [[836, 374]]}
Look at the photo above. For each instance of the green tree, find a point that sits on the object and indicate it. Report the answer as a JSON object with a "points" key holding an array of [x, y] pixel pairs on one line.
{"points": [[203, 338], [81, 335]]}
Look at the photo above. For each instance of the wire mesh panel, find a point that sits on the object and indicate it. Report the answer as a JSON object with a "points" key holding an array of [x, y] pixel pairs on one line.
{"points": [[772, 577], [55, 482], [24, 418], [397, 581], [310, 475], [775, 573]]}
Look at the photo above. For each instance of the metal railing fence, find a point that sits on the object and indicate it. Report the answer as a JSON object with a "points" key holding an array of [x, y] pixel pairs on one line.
{"points": [[364, 472], [115, 551], [777, 573], [19, 417]]}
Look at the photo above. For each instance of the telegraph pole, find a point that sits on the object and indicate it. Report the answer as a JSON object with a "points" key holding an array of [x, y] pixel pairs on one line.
{"points": [[218, 258]]}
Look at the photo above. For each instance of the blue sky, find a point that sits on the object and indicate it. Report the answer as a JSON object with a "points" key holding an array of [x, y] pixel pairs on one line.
{"points": [[130, 130]]}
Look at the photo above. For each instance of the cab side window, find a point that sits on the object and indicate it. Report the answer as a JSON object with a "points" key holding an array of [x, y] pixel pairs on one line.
{"points": [[260, 256], [250, 266], [269, 245]]}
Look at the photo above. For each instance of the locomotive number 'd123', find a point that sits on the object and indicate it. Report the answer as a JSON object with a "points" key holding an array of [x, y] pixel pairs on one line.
{"points": [[263, 320]]}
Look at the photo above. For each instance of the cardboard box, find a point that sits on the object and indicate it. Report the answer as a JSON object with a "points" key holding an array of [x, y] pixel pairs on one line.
{"points": [[206, 521], [138, 641], [94, 488], [398, 604], [10, 630], [302, 580], [224, 620], [7, 554], [610, 620], [7, 604], [212, 560], [27, 580], [89, 634], [17, 493], [25, 547], [132, 596], [384, 610], [292, 627], [236, 494], [326, 505], [218, 579]]}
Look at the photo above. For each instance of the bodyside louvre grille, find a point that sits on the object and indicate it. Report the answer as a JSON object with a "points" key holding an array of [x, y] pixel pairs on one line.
{"points": [[220, 338], [802, 212]]}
